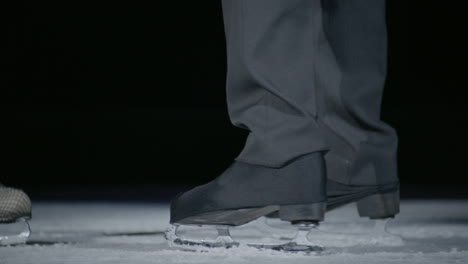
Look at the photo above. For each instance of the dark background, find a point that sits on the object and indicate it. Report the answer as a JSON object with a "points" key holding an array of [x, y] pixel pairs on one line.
{"points": [[128, 97]]}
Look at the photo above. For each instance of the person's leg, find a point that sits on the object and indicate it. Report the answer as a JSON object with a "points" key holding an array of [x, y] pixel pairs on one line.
{"points": [[271, 92], [298, 96], [364, 149], [272, 67]]}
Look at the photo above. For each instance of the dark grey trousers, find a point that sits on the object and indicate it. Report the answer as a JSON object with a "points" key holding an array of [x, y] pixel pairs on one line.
{"points": [[306, 76]]}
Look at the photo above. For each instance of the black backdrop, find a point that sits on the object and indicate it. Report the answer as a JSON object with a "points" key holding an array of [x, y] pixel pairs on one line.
{"points": [[128, 93]]}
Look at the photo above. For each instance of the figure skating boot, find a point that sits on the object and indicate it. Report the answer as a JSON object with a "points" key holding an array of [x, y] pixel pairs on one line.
{"points": [[245, 192], [15, 211]]}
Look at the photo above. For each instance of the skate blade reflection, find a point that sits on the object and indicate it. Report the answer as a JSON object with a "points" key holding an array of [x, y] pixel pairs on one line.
{"points": [[14, 233]]}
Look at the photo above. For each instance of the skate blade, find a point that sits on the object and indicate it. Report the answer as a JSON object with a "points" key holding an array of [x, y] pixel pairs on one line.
{"points": [[14, 233], [223, 240], [373, 233], [291, 247], [368, 233], [299, 243]]}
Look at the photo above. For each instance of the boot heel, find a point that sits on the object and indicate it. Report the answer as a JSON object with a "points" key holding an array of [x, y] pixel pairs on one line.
{"points": [[303, 212], [378, 206]]}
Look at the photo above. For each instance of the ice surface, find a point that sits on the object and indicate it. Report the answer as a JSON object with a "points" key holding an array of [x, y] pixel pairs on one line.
{"points": [[431, 231]]}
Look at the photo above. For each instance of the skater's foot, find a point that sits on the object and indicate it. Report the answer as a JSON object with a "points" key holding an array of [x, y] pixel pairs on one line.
{"points": [[245, 192], [15, 210]]}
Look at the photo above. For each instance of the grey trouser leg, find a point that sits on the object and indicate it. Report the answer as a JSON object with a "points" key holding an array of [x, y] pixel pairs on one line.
{"points": [[306, 76], [363, 149], [270, 82]]}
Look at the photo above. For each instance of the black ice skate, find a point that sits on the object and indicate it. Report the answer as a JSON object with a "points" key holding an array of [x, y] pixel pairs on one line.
{"points": [[15, 211], [245, 192]]}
